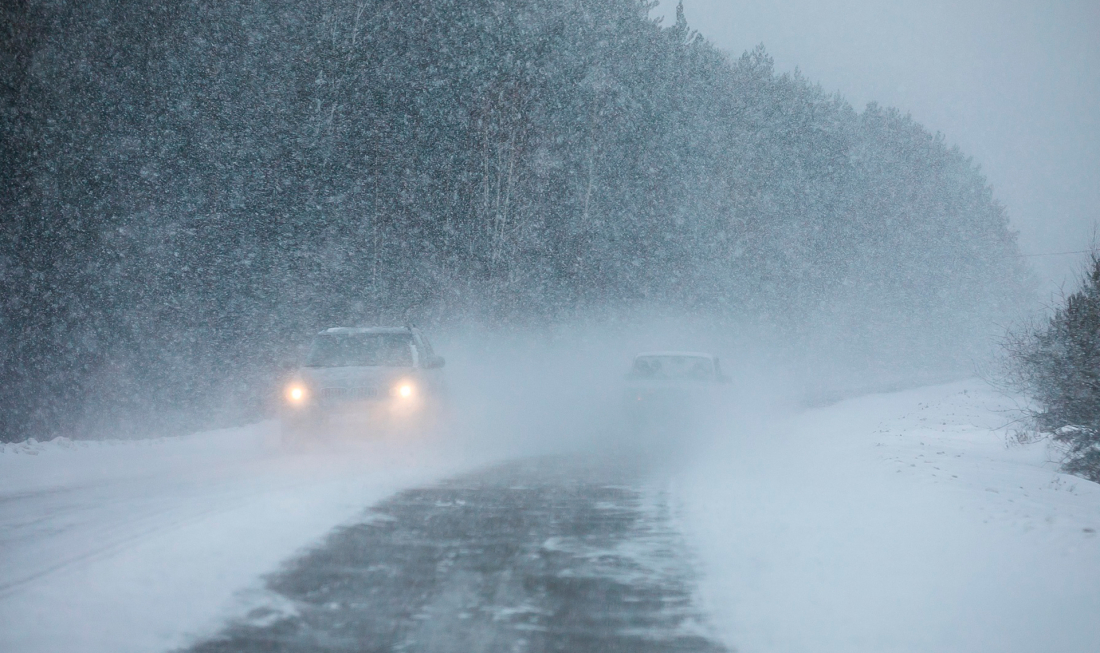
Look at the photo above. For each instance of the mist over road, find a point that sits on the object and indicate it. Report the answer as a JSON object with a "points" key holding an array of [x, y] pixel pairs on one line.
{"points": [[544, 554]]}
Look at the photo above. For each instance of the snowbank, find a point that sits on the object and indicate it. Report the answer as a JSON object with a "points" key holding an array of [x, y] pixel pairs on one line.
{"points": [[119, 546], [897, 522]]}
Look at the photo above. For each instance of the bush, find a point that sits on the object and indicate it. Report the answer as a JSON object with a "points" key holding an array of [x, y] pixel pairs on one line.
{"points": [[1057, 363]]}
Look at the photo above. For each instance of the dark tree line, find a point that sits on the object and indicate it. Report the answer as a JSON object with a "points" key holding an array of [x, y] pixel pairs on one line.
{"points": [[1057, 363], [191, 187]]}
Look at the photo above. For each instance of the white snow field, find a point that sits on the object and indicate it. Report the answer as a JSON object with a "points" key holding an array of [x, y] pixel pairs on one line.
{"points": [[894, 522], [142, 545]]}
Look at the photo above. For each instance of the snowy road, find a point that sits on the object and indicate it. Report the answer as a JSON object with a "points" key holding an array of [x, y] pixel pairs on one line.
{"points": [[541, 555], [69, 522], [146, 545]]}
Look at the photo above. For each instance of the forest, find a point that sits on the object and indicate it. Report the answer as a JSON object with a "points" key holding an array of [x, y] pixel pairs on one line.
{"points": [[190, 189]]}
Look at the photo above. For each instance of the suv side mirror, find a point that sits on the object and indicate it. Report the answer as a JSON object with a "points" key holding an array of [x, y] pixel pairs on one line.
{"points": [[434, 363]]}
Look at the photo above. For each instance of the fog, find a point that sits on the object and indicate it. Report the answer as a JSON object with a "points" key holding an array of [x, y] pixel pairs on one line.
{"points": [[564, 390], [1014, 84]]}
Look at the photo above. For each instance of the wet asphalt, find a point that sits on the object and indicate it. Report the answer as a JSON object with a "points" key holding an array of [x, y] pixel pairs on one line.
{"points": [[552, 554]]}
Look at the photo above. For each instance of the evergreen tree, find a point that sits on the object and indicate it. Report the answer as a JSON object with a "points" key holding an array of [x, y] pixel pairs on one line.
{"points": [[1058, 364]]}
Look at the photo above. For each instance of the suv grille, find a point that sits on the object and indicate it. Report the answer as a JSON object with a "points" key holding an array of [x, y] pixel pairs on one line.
{"points": [[345, 394]]}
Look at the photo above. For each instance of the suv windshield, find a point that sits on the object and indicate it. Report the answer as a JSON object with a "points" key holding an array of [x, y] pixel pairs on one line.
{"points": [[361, 350], [673, 367]]}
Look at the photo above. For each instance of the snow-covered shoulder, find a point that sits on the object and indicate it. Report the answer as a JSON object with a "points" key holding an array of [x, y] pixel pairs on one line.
{"points": [[139, 545], [897, 522]]}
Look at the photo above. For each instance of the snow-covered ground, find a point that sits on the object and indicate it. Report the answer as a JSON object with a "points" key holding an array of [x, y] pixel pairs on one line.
{"points": [[894, 522], [120, 546]]}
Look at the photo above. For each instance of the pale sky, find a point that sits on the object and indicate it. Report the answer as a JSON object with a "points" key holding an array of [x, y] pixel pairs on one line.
{"points": [[1014, 83]]}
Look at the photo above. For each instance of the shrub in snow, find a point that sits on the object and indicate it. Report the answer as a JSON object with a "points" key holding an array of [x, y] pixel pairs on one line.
{"points": [[1057, 363]]}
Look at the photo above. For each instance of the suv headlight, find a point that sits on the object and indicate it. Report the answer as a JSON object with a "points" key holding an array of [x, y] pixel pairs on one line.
{"points": [[296, 394], [404, 390]]}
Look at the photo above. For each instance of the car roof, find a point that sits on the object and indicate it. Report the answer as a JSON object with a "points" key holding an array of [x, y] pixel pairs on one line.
{"points": [[687, 354], [365, 330]]}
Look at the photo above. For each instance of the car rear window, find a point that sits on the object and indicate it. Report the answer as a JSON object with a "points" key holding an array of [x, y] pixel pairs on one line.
{"points": [[673, 367], [361, 350]]}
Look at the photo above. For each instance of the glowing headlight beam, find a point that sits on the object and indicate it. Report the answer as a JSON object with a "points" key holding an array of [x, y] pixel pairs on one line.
{"points": [[405, 390], [296, 394]]}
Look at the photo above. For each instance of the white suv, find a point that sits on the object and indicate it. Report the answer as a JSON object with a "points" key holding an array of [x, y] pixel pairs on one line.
{"points": [[362, 379]]}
